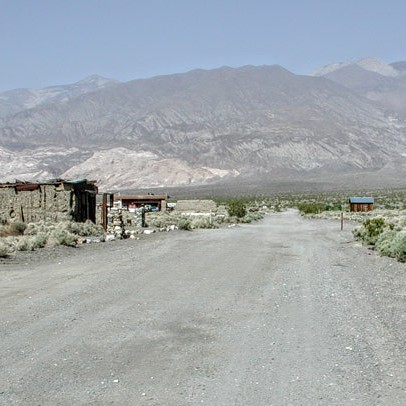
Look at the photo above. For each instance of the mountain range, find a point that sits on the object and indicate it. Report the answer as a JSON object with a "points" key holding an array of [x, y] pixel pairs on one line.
{"points": [[253, 124]]}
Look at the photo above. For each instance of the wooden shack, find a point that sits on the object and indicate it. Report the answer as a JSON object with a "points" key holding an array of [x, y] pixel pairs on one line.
{"points": [[54, 200], [362, 204], [150, 202]]}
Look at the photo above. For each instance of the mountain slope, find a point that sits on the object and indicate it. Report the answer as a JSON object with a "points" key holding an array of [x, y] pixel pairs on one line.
{"points": [[384, 84], [250, 122], [14, 101]]}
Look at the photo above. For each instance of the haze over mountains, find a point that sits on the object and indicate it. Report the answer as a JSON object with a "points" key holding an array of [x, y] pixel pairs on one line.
{"points": [[250, 124]]}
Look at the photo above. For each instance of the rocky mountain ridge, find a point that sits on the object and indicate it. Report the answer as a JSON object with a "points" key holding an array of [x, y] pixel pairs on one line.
{"points": [[15, 101], [208, 126]]}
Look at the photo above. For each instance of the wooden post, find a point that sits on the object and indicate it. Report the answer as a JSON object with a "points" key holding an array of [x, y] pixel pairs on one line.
{"points": [[104, 211], [342, 221]]}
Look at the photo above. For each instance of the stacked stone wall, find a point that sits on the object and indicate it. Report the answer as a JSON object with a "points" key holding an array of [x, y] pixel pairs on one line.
{"points": [[46, 202], [196, 206]]}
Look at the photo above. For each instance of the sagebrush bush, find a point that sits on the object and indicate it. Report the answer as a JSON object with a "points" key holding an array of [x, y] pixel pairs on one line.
{"points": [[88, 228], [63, 233], [12, 229], [384, 243], [44, 227], [184, 223], [4, 249], [62, 236], [399, 246], [252, 216], [203, 222], [162, 219], [39, 240], [25, 243], [371, 229]]}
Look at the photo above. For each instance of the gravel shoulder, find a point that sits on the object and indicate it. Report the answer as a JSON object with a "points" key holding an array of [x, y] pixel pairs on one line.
{"points": [[283, 312]]}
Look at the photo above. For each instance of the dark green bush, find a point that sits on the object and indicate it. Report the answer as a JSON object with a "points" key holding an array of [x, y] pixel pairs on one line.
{"points": [[236, 208], [373, 229], [333, 207], [310, 208]]}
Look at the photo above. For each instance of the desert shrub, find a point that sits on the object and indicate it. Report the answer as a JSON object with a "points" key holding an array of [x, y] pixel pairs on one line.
{"points": [[370, 230], [17, 227], [399, 246], [203, 222], [359, 232], [162, 220], [31, 242], [310, 208], [38, 235], [39, 227], [251, 216], [13, 229], [277, 208], [80, 229], [236, 208], [25, 243], [333, 207], [385, 243], [184, 223], [373, 228], [39, 240], [4, 249], [88, 228], [231, 220], [62, 236]]}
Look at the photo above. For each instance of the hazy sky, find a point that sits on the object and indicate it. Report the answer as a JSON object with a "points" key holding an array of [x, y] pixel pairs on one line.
{"points": [[46, 42]]}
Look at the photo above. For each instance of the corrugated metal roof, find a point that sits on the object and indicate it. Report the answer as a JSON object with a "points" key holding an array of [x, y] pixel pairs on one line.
{"points": [[362, 200]]}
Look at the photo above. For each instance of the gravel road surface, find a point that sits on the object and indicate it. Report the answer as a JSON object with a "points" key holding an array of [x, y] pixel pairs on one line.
{"points": [[283, 312]]}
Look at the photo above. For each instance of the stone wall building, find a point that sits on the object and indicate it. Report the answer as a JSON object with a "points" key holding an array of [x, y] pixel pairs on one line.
{"points": [[196, 206], [54, 200]]}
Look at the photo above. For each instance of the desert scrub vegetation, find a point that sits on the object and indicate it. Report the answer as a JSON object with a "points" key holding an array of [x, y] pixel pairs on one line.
{"points": [[28, 237], [246, 209], [386, 238], [12, 228], [236, 208], [164, 220]]}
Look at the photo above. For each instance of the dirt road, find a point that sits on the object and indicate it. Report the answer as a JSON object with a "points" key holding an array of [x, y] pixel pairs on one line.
{"points": [[283, 312]]}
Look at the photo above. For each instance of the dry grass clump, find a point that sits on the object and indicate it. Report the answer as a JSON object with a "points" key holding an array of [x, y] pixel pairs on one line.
{"points": [[12, 229]]}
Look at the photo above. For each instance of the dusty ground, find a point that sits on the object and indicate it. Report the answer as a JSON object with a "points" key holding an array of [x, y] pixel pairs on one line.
{"points": [[284, 312]]}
